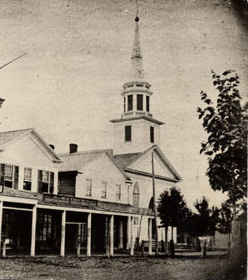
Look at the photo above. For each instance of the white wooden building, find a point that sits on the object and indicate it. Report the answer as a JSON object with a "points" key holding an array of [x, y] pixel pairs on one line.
{"points": [[86, 202]]}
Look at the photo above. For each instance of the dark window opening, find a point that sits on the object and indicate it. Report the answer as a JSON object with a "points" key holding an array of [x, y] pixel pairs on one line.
{"points": [[27, 182], [124, 104], [140, 102], [148, 103], [130, 103], [48, 228], [45, 181], [152, 134], [9, 175], [128, 133]]}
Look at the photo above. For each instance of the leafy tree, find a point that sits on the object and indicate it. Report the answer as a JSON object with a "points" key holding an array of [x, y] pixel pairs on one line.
{"points": [[226, 146], [225, 219], [172, 210], [164, 210], [203, 216], [207, 219]]}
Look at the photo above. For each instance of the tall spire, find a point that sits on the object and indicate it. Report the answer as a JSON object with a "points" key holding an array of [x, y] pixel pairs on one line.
{"points": [[136, 58]]}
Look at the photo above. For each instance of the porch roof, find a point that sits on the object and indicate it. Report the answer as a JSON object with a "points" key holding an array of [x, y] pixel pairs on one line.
{"points": [[75, 202], [91, 204]]}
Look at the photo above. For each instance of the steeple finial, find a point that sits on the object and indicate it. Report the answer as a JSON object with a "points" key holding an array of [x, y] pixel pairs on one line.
{"points": [[137, 63]]}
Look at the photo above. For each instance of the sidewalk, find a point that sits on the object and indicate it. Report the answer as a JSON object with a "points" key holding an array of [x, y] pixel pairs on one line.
{"points": [[185, 253]]}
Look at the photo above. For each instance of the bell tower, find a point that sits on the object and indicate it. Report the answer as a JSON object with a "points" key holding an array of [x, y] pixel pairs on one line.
{"points": [[136, 130]]}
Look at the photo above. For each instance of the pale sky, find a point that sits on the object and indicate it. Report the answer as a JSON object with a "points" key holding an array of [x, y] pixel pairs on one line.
{"points": [[68, 85]]}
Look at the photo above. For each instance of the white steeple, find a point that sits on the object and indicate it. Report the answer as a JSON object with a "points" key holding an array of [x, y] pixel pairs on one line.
{"points": [[136, 130], [136, 58]]}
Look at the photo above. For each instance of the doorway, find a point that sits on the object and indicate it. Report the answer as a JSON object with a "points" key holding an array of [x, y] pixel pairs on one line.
{"points": [[75, 238]]}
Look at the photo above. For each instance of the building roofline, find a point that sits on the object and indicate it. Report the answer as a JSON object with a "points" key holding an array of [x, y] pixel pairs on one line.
{"points": [[138, 118], [146, 174], [87, 152], [35, 134]]}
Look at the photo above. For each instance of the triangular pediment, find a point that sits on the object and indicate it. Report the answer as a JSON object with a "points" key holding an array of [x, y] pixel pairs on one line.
{"points": [[162, 167], [28, 149]]}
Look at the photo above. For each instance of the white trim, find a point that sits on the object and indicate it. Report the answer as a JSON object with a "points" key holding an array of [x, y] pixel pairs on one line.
{"points": [[75, 223], [18, 200], [16, 208], [59, 208]]}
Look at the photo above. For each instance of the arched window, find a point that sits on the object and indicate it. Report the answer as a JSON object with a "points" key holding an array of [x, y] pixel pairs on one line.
{"points": [[136, 195]]}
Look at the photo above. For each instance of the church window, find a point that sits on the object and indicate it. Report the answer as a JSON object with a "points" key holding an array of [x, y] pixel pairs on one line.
{"points": [[27, 182], [148, 103], [128, 133], [152, 134], [136, 195], [140, 102], [130, 103]]}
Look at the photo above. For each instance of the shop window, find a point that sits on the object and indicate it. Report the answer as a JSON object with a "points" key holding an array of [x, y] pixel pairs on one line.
{"points": [[45, 231]]}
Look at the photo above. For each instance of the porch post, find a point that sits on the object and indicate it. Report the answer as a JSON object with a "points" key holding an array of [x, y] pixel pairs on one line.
{"points": [[149, 236], [1, 223], [111, 235], [89, 235], [62, 245], [128, 232], [121, 235], [33, 230], [131, 237], [107, 236]]}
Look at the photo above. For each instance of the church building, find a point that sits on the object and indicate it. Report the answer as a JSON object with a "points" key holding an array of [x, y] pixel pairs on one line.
{"points": [[87, 202]]}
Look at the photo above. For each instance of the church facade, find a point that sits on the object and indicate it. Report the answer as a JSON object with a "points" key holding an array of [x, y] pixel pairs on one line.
{"points": [[86, 202]]}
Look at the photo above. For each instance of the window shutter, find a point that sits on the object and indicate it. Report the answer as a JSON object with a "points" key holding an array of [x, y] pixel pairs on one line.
{"points": [[1, 174], [16, 177], [40, 181], [51, 182]]}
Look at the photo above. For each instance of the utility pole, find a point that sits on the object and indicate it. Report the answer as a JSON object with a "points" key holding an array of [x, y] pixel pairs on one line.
{"points": [[154, 206]]}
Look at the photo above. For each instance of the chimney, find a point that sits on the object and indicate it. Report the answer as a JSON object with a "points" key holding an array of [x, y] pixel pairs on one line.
{"points": [[52, 146], [73, 148]]}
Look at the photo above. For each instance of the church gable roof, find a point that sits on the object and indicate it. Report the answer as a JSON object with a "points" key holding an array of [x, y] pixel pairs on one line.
{"points": [[125, 160], [137, 163]]}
